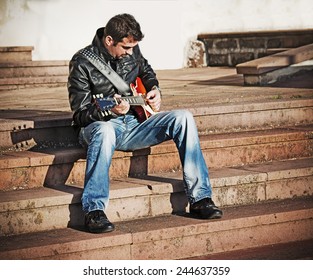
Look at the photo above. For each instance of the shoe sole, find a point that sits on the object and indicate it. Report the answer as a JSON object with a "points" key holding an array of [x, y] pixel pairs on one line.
{"points": [[198, 215], [100, 230]]}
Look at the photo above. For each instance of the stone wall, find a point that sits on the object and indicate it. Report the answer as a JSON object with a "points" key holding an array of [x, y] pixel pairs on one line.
{"points": [[230, 49]]}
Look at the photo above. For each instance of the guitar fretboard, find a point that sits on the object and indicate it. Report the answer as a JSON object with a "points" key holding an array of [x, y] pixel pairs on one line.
{"points": [[134, 100], [106, 103]]}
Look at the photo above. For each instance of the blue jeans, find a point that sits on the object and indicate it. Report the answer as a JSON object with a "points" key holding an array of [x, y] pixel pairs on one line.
{"points": [[125, 133]]}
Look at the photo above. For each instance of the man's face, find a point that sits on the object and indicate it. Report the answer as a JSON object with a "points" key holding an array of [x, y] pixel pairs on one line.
{"points": [[121, 48]]}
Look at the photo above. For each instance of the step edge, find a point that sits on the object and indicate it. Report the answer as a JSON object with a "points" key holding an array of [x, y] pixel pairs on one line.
{"points": [[34, 64], [9, 201], [207, 142], [126, 236]]}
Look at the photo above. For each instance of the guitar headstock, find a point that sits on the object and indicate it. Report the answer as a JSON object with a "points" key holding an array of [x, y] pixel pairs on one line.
{"points": [[104, 104]]}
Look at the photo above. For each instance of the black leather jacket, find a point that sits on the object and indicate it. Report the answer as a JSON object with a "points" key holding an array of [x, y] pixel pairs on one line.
{"points": [[85, 80]]}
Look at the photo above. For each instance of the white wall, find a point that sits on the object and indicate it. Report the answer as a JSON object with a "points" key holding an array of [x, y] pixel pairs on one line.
{"points": [[58, 28]]}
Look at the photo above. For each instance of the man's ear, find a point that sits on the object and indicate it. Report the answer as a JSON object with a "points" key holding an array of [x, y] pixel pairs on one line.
{"points": [[108, 40]]}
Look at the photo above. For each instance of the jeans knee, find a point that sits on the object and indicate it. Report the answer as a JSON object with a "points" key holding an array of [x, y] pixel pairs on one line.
{"points": [[184, 117], [183, 113], [97, 132], [103, 131]]}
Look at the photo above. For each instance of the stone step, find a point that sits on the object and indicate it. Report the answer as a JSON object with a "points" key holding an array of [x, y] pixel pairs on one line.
{"points": [[269, 69], [52, 167], [253, 115], [232, 48], [153, 195], [16, 53], [276, 61], [172, 236], [271, 51], [23, 74], [280, 75], [24, 129], [30, 82], [39, 68], [296, 250]]}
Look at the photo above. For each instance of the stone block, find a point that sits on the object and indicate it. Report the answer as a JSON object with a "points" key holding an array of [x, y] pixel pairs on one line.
{"points": [[228, 43], [196, 54], [218, 60], [254, 43], [236, 58], [290, 188]]}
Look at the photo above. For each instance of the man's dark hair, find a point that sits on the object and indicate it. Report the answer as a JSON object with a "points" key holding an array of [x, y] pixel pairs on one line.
{"points": [[121, 26]]}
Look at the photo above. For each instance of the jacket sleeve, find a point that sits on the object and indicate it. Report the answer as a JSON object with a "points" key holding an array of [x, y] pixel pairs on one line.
{"points": [[79, 89], [146, 73]]}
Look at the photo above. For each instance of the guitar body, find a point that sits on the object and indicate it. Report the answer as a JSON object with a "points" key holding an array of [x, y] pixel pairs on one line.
{"points": [[143, 112], [137, 101]]}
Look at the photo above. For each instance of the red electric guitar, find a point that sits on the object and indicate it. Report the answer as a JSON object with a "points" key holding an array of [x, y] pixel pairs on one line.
{"points": [[138, 101]]}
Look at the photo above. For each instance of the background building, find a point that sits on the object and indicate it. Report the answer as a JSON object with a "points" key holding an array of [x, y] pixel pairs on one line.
{"points": [[58, 28]]}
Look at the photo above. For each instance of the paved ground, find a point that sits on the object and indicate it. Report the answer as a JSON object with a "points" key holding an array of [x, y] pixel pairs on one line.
{"points": [[183, 88]]}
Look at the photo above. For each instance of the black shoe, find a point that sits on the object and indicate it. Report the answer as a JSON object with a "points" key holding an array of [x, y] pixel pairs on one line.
{"points": [[205, 209], [97, 222]]}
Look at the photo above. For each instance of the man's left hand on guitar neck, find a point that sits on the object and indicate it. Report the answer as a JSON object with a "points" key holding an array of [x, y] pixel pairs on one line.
{"points": [[122, 107], [153, 98]]}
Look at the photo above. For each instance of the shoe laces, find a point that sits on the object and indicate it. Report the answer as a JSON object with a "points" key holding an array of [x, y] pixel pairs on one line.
{"points": [[97, 215], [205, 201]]}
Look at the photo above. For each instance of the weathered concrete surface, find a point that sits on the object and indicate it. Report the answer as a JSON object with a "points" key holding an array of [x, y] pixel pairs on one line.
{"points": [[190, 87], [172, 237]]}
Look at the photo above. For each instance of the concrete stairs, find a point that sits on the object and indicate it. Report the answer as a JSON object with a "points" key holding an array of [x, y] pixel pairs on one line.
{"points": [[16, 54], [260, 155], [233, 48], [18, 70], [171, 236], [152, 195], [262, 57]]}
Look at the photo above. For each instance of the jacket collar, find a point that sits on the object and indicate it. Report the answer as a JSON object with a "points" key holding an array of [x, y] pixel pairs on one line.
{"points": [[98, 43]]}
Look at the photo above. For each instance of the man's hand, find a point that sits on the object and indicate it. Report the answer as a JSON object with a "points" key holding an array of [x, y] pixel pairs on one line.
{"points": [[153, 98], [121, 108]]}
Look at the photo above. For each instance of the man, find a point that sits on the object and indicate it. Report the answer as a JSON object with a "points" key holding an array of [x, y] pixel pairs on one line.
{"points": [[119, 128]]}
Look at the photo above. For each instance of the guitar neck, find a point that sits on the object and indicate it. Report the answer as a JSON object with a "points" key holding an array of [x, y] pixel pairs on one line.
{"points": [[110, 102], [142, 109], [133, 100]]}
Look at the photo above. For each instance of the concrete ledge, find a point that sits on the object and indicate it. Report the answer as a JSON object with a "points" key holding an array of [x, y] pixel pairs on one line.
{"points": [[230, 49], [24, 82], [279, 75], [34, 69], [277, 67], [16, 48], [67, 165], [16, 53], [152, 195], [276, 61], [41, 129], [172, 237], [264, 33]]}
